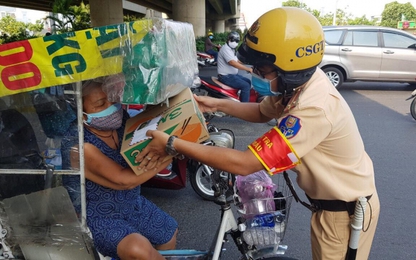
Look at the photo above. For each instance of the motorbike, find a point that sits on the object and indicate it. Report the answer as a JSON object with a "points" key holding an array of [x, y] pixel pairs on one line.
{"points": [[205, 59], [413, 104], [211, 86]]}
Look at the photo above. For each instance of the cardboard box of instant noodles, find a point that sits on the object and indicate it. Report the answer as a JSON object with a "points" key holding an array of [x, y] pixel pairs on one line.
{"points": [[179, 116]]}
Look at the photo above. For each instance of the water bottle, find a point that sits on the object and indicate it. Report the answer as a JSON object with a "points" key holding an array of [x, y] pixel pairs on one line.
{"points": [[261, 236], [267, 220], [265, 229], [263, 220], [279, 221]]}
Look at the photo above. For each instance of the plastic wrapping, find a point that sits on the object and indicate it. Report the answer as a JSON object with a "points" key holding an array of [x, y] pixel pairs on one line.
{"points": [[142, 62], [254, 190], [161, 64], [156, 57], [44, 226]]}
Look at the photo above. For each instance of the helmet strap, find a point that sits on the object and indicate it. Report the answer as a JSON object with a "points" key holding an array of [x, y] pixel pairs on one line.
{"points": [[285, 89], [289, 81]]}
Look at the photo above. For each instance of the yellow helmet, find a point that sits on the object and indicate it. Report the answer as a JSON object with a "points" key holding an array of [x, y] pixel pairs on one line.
{"points": [[290, 38], [210, 34]]}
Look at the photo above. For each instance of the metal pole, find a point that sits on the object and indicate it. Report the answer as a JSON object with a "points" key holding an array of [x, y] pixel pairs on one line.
{"points": [[335, 13], [356, 227]]}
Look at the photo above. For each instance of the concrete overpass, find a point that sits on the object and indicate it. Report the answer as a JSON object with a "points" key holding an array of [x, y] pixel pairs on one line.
{"points": [[204, 15]]}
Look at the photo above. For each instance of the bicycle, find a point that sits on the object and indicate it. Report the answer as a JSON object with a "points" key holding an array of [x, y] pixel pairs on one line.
{"points": [[252, 241]]}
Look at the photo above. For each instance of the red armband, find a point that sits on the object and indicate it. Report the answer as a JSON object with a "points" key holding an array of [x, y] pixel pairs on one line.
{"points": [[274, 151]]}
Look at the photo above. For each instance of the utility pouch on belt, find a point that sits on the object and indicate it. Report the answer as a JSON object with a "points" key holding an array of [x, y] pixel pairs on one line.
{"points": [[328, 205]]}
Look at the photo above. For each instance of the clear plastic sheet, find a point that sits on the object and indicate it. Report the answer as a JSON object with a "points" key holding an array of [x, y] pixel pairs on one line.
{"points": [[142, 62], [156, 57], [162, 64], [44, 226]]}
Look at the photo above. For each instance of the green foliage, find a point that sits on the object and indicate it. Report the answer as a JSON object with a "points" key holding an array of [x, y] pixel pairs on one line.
{"points": [[394, 12], [12, 30], [361, 21], [298, 4], [342, 18], [131, 18], [76, 17], [326, 19], [219, 38], [68, 17]]}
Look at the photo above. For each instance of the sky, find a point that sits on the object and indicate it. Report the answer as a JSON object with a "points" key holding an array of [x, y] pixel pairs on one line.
{"points": [[252, 9]]}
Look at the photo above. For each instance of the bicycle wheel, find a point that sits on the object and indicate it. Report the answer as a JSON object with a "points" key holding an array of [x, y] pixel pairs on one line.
{"points": [[413, 108], [201, 181]]}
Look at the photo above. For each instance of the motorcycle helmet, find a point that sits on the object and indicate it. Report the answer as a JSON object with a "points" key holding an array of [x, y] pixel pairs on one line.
{"points": [[210, 34], [290, 39], [234, 37]]}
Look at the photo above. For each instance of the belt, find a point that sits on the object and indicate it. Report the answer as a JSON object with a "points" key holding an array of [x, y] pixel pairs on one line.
{"points": [[334, 205]]}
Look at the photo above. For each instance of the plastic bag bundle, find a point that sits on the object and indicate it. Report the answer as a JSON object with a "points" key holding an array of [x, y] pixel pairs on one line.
{"points": [[161, 65], [256, 193]]}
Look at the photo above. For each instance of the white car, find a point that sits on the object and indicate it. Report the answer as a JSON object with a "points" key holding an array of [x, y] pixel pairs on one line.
{"points": [[368, 53]]}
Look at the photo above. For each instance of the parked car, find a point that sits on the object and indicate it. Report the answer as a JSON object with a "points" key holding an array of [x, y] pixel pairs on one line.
{"points": [[369, 53]]}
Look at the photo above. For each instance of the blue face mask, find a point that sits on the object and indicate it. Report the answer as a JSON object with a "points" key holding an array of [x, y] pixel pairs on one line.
{"points": [[211, 37], [263, 85], [109, 119]]}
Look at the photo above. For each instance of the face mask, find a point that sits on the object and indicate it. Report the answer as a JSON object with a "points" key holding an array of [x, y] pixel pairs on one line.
{"points": [[110, 118], [233, 45], [211, 37], [263, 86]]}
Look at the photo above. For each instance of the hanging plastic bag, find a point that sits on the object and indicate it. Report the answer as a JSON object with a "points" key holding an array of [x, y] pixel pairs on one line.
{"points": [[255, 193]]}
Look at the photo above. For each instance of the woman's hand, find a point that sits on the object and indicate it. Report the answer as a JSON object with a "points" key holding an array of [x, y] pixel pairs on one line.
{"points": [[206, 104], [153, 155]]}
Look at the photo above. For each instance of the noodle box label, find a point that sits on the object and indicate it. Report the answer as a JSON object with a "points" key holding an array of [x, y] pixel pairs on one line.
{"points": [[179, 116]]}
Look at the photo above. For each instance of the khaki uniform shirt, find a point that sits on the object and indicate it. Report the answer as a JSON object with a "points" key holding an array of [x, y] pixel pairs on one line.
{"points": [[322, 130]]}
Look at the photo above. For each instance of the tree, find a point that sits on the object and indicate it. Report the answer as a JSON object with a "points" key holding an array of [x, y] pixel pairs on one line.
{"points": [[296, 3], [362, 21], [326, 19], [68, 17], [342, 18], [394, 12], [12, 30]]}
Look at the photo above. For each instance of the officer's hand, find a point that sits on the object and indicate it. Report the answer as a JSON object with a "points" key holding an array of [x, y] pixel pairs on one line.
{"points": [[206, 104]]}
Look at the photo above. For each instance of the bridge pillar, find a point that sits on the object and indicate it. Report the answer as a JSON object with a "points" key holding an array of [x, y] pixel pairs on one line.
{"points": [[106, 12], [190, 11], [219, 26]]}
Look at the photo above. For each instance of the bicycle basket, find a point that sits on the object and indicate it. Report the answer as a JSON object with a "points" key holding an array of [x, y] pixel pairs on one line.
{"points": [[266, 219]]}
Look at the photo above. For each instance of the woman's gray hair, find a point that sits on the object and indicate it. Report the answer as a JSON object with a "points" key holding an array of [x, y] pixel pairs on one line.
{"points": [[112, 85]]}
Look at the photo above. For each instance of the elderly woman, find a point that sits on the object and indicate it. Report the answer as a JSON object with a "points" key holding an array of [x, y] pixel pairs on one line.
{"points": [[123, 223]]}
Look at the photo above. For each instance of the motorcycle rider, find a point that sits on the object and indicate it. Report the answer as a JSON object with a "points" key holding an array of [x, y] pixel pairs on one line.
{"points": [[228, 66], [209, 47], [316, 133]]}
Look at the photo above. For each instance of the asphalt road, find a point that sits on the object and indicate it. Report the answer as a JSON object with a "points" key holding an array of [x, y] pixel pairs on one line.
{"points": [[386, 126]]}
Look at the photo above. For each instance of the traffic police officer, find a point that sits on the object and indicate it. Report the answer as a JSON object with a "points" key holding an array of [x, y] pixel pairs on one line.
{"points": [[316, 134]]}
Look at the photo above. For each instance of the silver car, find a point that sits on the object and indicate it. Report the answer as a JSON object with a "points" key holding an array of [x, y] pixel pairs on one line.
{"points": [[369, 53]]}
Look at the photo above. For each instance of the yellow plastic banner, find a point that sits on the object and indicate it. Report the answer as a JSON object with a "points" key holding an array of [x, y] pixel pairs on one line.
{"points": [[67, 58]]}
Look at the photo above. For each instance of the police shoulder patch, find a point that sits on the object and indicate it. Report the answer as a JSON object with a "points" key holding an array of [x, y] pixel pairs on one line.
{"points": [[290, 126]]}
